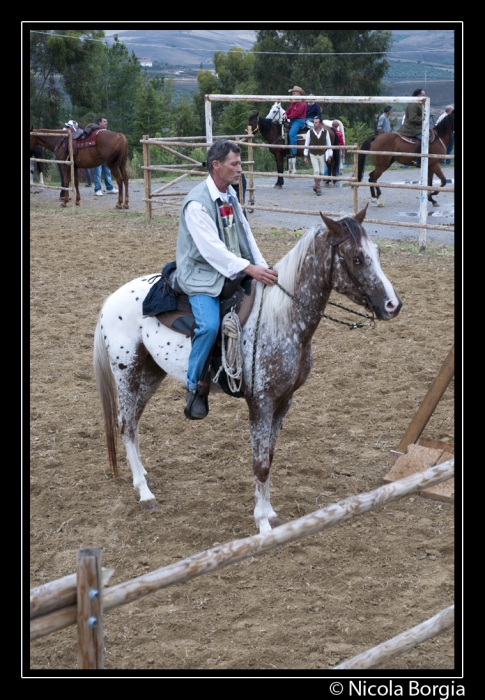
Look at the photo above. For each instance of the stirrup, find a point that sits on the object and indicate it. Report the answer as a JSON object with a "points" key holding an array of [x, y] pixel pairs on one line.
{"points": [[188, 407]]}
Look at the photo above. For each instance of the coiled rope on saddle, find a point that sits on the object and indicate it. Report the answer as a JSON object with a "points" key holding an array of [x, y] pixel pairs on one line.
{"points": [[231, 356]]}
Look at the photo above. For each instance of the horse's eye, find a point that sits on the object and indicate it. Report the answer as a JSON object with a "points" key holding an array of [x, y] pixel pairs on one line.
{"points": [[357, 260]]}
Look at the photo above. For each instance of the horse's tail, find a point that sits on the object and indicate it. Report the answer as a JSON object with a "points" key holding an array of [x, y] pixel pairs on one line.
{"points": [[120, 154], [108, 395], [362, 156]]}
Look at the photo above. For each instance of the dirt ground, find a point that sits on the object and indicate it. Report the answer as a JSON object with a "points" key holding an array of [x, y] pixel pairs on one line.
{"points": [[311, 604]]}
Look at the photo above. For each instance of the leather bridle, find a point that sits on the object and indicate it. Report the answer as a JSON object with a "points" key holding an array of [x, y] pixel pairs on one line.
{"points": [[335, 243]]}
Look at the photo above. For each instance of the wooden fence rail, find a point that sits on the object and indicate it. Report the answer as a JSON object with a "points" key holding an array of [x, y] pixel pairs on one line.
{"points": [[246, 141], [223, 555]]}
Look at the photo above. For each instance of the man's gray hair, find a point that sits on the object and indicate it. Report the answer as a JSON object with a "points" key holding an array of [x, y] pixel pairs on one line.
{"points": [[449, 107], [219, 151]]}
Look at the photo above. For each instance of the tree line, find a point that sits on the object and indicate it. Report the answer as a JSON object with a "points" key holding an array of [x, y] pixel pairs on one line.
{"points": [[74, 74]]}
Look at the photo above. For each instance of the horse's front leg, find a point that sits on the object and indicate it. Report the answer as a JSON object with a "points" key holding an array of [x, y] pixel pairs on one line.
{"points": [[76, 184], [435, 170], [280, 169], [261, 420]]}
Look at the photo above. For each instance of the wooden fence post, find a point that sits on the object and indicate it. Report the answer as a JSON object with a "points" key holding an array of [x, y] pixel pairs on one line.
{"points": [[355, 174], [147, 177], [89, 609], [429, 403], [250, 184]]}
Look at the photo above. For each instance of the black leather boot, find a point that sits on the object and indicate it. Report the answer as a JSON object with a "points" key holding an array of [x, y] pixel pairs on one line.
{"points": [[417, 149]]}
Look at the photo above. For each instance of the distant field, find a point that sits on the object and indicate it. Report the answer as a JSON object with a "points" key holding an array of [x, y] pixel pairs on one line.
{"points": [[410, 70], [440, 92]]}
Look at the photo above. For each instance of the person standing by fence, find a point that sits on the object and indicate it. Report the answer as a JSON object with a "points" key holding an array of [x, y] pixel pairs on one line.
{"points": [[103, 168], [316, 137], [384, 124]]}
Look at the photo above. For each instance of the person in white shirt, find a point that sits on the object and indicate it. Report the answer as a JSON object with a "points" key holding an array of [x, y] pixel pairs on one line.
{"points": [[317, 136], [214, 242]]}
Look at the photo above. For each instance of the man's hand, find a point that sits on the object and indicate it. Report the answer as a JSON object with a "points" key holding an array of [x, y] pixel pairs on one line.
{"points": [[262, 274]]}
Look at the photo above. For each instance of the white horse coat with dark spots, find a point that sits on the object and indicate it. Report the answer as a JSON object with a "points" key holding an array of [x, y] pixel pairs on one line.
{"points": [[133, 354]]}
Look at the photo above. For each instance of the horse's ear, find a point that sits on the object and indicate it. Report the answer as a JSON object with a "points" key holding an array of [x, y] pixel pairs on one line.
{"points": [[361, 214], [332, 225]]}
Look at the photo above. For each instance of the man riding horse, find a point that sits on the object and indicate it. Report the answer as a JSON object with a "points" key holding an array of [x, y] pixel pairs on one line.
{"points": [[214, 242]]}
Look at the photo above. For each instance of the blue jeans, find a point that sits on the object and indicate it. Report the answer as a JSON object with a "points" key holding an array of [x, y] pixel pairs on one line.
{"points": [[107, 177], [295, 127], [88, 176], [206, 312]]}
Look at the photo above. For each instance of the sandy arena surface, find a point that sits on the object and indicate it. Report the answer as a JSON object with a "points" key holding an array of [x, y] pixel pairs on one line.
{"points": [[305, 607]]}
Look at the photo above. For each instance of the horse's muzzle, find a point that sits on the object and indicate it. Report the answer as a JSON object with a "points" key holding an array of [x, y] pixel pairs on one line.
{"points": [[390, 309]]}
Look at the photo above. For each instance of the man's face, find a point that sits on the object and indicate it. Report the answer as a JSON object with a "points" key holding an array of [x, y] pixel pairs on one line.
{"points": [[229, 170], [103, 123], [317, 124]]}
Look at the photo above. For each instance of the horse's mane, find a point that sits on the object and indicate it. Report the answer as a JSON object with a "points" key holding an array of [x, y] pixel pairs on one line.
{"points": [[276, 313], [277, 304], [446, 124], [266, 124]]}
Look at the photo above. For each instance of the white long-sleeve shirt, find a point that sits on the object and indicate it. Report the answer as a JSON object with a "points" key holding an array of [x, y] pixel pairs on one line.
{"points": [[206, 236]]}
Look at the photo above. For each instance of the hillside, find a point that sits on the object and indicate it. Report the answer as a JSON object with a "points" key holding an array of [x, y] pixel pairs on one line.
{"points": [[195, 47], [418, 56]]}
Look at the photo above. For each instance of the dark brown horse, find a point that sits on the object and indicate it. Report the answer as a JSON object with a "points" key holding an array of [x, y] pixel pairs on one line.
{"points": [[270, 129], [440, 138], [109, 147]]}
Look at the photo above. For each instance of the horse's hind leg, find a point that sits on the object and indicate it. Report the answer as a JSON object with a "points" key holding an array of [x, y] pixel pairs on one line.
{"points": [[124, 177], [375, 192], [148, 378], [115, 172], [435, 170]]}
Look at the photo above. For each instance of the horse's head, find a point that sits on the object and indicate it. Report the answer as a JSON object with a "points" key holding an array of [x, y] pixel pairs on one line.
{"points": [[356, 269], [276, 113], [253, 122]]}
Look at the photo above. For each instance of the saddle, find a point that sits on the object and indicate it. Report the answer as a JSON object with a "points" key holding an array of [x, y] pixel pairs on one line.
{"points": [[171, 306], [432, 136], [88, 139]]}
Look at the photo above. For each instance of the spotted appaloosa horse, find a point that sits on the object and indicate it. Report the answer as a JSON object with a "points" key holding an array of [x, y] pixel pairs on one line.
{"points": [[133, 353]]}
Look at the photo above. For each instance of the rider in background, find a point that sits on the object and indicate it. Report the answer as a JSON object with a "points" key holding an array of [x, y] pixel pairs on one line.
{"points": [[312, 110], [296, 113], [412, 125]]}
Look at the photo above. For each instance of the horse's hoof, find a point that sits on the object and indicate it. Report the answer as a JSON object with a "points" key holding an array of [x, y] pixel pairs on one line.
{"points": [[278, 186], [78, 204], [379, 203], [373, 200], [126, 206], [435, 204], [118, 206], [150, 505], [274, 522]]}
